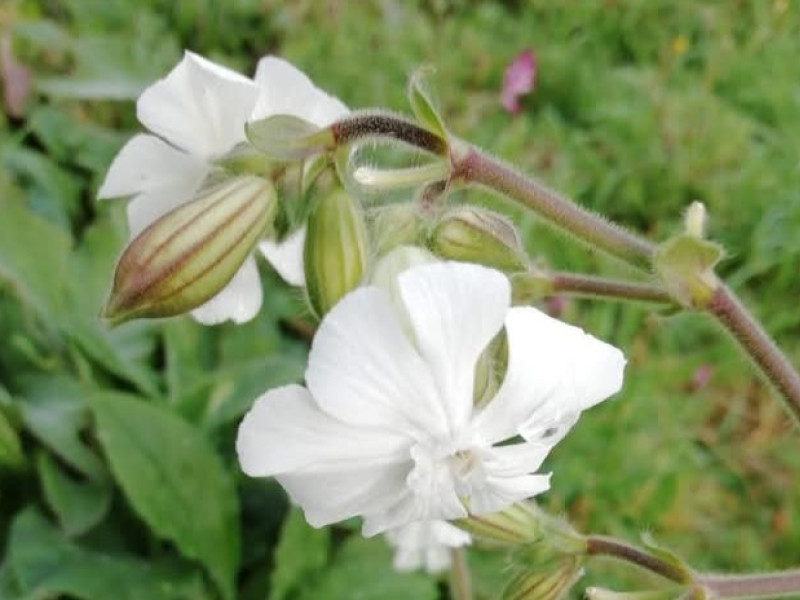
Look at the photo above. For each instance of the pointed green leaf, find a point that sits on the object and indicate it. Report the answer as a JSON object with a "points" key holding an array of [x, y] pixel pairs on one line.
{"points": [[421, 97], [33, 256], [174, 480], [54, 410], [79, 506]]}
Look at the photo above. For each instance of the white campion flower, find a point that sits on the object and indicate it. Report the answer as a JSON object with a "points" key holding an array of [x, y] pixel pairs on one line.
{"points": [[386, 428], [425, 544], [197, 115]]}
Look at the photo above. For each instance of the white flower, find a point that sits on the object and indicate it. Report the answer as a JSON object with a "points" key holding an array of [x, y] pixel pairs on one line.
{"points": [[425, 544], [197, 114], [387, 428]]}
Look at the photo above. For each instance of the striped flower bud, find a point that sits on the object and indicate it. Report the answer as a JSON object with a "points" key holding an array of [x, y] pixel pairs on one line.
{"points": [[184, 258], [336, 250], [471, 234]]}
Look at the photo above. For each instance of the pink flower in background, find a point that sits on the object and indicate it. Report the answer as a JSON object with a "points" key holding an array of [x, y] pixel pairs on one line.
{"points": [[518, 80], [15, 80]]}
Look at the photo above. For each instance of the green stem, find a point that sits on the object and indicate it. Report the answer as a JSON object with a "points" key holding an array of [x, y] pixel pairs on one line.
{"points": [[732, 314], [762, 585], [604, 546], [599, 287], [460, 580], [472, 166]]}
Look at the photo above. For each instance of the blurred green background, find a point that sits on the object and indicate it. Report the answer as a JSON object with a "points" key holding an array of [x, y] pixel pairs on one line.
{"points": [[117, 472]]}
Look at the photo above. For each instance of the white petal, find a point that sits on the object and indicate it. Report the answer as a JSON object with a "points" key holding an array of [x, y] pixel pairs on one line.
{"points": [[148, 164], [199, 106], [363, 370], [285, 431], [285, 90], [328, 496], [333, 471], [286, 256], [238, 301], [500, 493], [554, 372], [455, 310], [425, 544]]}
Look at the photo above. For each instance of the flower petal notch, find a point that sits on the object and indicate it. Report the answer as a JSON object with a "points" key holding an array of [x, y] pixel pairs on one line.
{"points": [[386, 428], [185, 258], [287, 137]]}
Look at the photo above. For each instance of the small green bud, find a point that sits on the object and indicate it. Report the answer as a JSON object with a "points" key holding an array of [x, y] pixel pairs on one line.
{"points": [[524, 525], [685, 264], [389, 267], [335, 253], [471, 234], [397, 225], [695, 220], [187, 256]]}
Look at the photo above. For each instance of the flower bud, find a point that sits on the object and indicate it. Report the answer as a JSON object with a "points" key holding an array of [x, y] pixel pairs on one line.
{"points": [[685, 264], [188, 255], [397, 225], [471, 234], [547, 583], [335, 253]]}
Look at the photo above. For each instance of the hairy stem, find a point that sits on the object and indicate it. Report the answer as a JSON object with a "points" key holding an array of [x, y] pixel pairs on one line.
{"points": [[600, 287], [472, 166], [460, 580], [379, 124], [605, 546], [732, 314], [762, 585]]}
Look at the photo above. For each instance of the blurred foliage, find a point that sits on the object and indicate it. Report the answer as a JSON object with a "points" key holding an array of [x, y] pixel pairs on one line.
{"points": [[117, 472]]}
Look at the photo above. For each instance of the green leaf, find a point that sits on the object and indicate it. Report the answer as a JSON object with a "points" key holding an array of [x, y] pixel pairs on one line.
{"points": [[363, 569], [108, 348], [174, 480], [79, 506], [421, 97], [10, 449], [33, 256], [54, 410], [234, 389], [301, 553], [44, 564]]}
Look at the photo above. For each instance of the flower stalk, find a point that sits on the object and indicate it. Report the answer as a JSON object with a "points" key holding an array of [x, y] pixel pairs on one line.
{"points": [[606, 546], [472, 166], [537, 284], [762, 585], [460, 578], [735, 318]]}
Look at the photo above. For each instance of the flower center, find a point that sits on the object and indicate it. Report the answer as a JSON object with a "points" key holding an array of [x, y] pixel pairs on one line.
{"points": [[444, 475]]}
